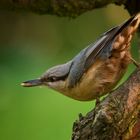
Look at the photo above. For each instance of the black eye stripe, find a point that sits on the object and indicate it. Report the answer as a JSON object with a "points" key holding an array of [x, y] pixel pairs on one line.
{"points": [[48, 79], [52, 79]]}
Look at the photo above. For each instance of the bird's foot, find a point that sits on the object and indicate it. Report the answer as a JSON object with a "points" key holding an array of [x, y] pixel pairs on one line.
{"points": [[97, 101]]}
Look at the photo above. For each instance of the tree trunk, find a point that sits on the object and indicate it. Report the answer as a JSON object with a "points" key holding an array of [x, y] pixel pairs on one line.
{"points": [[117, 117]]}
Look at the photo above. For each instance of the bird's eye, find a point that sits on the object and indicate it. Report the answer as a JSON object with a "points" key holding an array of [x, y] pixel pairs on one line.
{"points": [[52, 79]]}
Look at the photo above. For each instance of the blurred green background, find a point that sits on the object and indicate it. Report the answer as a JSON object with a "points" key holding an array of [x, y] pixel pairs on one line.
{"points": [[30, 44]]}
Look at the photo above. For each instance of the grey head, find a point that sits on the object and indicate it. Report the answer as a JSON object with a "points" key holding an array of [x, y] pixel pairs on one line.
{"points": [[54, 77]]}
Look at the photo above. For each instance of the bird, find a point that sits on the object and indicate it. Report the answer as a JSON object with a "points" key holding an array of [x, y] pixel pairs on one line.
{"points": [[97, 69]]}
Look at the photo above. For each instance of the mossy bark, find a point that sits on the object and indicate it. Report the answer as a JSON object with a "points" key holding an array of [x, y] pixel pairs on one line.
{"points": [[69, 8]]}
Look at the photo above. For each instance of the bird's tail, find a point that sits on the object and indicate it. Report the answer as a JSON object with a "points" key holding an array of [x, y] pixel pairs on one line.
{"points": [[126, 32]]}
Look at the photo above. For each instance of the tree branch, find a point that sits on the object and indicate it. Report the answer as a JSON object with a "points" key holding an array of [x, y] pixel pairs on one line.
{"points": [[117, 117], [69, 8]]}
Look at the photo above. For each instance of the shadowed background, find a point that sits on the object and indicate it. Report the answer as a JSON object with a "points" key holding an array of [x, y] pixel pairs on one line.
{"points": [[30, 44]]}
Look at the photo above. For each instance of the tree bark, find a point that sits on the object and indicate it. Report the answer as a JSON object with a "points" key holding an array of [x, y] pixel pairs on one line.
{"points": [[117, 117], [69, 8]]}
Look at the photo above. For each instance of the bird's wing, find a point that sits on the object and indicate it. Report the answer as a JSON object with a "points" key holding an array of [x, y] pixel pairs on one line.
{"points": [[101, 48]]}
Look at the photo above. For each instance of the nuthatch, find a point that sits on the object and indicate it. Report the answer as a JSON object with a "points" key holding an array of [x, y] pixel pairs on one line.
{"points": [[96, 70]]}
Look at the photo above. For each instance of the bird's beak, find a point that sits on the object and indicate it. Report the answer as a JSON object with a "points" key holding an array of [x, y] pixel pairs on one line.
{"points": [[32, 83]]}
